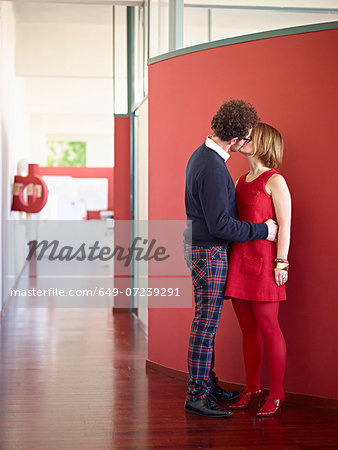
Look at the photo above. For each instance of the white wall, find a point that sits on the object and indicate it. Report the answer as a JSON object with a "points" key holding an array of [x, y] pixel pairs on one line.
{"points": [[142, 192], [95, 130], [67, 68], [142, 162], [13, 131], [66, 95], [65, 50], [76, 58]]}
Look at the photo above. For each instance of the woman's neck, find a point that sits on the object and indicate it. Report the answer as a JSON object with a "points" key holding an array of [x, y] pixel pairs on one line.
{"points": [[256, 166]]}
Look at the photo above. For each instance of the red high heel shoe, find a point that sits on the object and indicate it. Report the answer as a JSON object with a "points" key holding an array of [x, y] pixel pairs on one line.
{"points": [[246, 399], [270, 407]]}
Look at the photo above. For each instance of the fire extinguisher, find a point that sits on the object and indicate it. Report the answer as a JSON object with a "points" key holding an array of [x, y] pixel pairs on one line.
{"points": [[37, 191]]}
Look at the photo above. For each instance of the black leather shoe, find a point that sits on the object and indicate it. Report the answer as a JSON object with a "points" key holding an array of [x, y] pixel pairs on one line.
{"points": [[224, 396], [206, 407]]}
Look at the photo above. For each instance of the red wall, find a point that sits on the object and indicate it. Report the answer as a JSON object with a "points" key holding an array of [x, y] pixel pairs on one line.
{"points": [[122, 167], [292, 81], [122, 205]]}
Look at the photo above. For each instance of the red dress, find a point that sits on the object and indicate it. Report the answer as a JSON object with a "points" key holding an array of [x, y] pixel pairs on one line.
{"points": [[251, 267]]}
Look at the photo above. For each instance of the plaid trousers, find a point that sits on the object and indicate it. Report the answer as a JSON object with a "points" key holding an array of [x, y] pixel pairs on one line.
{"points": [[209, 268]]}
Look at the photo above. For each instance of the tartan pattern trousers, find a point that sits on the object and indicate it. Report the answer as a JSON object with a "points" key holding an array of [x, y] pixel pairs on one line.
{"points": [[209, 268]]}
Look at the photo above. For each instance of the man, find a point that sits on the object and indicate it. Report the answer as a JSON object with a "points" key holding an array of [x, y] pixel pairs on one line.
{"points": [[211, 227]]}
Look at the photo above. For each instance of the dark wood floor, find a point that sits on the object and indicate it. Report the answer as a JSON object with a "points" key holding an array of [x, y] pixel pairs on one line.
{"points": [[75, 379]]}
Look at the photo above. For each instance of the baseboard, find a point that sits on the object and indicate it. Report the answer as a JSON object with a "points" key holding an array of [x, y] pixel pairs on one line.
{"points": [[298, 399]]}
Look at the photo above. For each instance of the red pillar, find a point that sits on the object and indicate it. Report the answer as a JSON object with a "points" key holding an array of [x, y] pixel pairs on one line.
{"points": [[122, 207], [122, 168]]}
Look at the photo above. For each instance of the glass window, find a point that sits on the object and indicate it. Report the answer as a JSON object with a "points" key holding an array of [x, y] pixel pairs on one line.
{"points": [[159, 27], [62, 153], [195, 26], [210, 21], [227, 23], [139, 54], [120, 60]]}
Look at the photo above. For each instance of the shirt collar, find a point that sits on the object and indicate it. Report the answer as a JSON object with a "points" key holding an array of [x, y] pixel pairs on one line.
{"points": [[212, 144]]}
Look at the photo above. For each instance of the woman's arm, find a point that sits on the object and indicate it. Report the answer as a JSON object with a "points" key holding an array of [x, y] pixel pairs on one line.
{"points": [[282, 203]]}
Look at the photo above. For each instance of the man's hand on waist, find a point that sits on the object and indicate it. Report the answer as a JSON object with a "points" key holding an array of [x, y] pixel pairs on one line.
{"points": [[272, 230]]}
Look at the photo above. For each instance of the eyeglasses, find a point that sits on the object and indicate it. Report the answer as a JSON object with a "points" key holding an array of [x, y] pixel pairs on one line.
{"points": [[249, 139]]}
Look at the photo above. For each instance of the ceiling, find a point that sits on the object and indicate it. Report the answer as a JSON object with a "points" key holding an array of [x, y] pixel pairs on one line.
{"points": [[51, 12]]}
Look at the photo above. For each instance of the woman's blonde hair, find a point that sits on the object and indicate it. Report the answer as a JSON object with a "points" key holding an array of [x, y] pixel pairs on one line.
{"points": [[268, 145]]}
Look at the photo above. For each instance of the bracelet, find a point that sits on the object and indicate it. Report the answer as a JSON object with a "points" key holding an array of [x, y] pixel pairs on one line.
{"points": [[281, 260], [282, 266]]}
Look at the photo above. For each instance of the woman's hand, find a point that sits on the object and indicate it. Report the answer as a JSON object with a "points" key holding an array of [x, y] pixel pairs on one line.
{"points": [[281, 276]]}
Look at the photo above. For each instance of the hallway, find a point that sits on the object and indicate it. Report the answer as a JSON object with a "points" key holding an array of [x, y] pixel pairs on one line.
{"points": [[76, 379]]}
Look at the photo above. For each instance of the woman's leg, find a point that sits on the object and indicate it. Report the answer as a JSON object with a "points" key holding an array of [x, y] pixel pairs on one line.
{"points": [[252, 343], [266, 314]]}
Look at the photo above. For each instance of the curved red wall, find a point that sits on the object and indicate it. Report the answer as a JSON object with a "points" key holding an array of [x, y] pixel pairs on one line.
{"points": [[292, 81]]}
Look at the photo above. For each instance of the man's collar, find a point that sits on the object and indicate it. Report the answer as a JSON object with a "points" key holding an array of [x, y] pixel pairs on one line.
{"points": [[212, 144]]}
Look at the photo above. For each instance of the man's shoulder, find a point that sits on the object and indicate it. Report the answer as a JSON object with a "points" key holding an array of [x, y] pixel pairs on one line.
{"points": [[200, 151], [204, 156]]}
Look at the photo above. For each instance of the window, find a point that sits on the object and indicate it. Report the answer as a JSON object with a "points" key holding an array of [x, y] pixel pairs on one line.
{"points": [[63, 153]]}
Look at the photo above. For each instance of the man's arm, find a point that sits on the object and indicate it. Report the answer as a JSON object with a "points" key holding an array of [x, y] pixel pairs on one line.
{"points": [[214, 199]]}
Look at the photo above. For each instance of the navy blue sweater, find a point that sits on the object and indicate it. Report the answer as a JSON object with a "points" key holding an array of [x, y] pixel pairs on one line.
{"points": [[210, 204]]}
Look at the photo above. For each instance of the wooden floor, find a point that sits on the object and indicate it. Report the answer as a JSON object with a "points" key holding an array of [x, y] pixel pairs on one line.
{"points": [[75, 379]]}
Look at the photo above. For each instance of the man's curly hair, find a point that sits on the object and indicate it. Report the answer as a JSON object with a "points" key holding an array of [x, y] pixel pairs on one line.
{"points": [[234, 119]]}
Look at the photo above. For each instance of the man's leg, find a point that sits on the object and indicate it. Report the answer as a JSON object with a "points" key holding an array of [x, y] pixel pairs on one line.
{"points": [[208, 308], [217, 392], [209, 271], [212, 374]]}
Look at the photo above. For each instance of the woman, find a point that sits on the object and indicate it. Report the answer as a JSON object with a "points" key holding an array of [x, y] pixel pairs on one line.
{"points": [[258, 269]]}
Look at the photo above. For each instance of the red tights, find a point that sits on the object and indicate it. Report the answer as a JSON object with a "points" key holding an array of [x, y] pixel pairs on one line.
{"points": [[258, 319]]}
